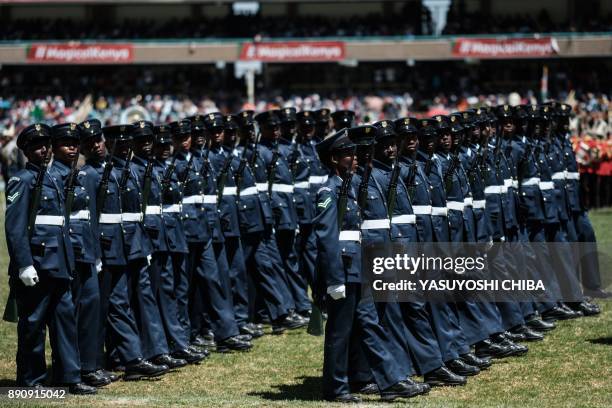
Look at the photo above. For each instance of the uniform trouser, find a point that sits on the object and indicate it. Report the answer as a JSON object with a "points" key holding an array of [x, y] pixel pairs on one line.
{"points": [[502, 263], [589, 259], [542, 265], [390, 318], [118, 329], [296, 283], [238, 279], [48, 303], [517, 241], [146, 311], [421, 338], [86, 296], [444, 322], [355, 317], [266, 272], [212, 289], [162, 285], [182, 284], [307, 251], [564, 263]]}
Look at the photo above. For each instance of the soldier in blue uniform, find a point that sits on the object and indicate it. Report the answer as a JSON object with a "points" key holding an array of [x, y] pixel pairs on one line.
{"points": [[41, 269], [257, 224], [428, 353], [161, 270], [590, 275], [138, 249], [209, 292], [352, 317], [281, 190], [83, 236], [118, 328], [322, 123]]}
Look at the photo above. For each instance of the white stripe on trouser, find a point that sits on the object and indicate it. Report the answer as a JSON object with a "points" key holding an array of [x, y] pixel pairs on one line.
{"points": [[421, 209], [317, 179], [172, 208], [110, 219], [375, 224], [193, 199], [249, 191], [534, 181], [153, 210], [350, 236], [439, 211], [80, 215], [547, 185], [131, 217], [282, 188], [455, 205], [57, 220], [479, 204], [404, 219]]}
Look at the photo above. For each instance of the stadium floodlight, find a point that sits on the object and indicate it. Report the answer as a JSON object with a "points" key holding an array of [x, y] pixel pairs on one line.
{"points": [[245, 8]]}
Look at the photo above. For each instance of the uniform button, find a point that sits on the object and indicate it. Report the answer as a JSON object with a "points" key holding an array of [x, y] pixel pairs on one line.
{"points": [[101, 233], [399, 234], [43, 244], [70, 230]]}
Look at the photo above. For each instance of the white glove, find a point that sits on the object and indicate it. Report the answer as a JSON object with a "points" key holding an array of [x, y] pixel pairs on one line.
{"points": [[149, 257], [28, 275], [336, 291], [98, 265]]}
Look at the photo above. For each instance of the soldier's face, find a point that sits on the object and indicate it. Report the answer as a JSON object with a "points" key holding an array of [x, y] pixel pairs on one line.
{"points": [[230, 137], [322, 128], [37, 151], [386, 150], [122, 149], [162, 151], [445, 140], [508, 127], [306, 131], [411, 143], [345, 161], [216, 135], [429, 143], [143, 146], [270, 131], [247, 134], [66, 149], [288, 130], [198, 139], [182, 142], [94, 148]]}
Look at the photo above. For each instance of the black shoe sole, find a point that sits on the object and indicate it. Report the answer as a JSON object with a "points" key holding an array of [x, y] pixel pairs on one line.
{"points": [[437, 383], [392, 397], [98, 384], [137, 377]]}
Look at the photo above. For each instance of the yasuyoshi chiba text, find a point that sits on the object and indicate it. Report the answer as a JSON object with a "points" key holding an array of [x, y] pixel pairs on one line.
{"points": [[437, 285]]}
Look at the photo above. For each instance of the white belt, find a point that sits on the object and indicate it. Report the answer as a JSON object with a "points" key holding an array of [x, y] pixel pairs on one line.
{"points": [[503, 189], [302, 184], [515, 184], [131, 217], [230, 191], [440, 211], [193, 199], [210, 199], [110, 219], [80, 215], [153, 210], [282, 188], [468, 201], [421, 209], [534, 181], [547, 185], [404, 219], [57, 220], [479, 204], [375, 224], [317, 179], [248, 191], [493, 190], [572, 175], [349, 236], [262, 187], [559, 175], [507, 183], [172, 208], [455, 205]]}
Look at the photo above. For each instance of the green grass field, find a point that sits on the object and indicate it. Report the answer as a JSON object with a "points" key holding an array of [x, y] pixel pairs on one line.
{"points": [[572, 367]]}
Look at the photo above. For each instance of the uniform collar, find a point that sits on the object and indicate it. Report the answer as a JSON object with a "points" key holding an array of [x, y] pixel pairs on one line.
{"points": [[61, 167], [377, 164], [140, 160]]}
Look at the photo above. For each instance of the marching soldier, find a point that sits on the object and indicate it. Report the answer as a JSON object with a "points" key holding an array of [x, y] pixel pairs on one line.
{"points": [[322, 123], [342, 119], [40, 268], [85, 288], [162, 275], [352, 318]]}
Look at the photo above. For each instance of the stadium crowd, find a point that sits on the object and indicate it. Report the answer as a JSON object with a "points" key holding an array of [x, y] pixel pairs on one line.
{"points": [[409, 22], [591, 125]]}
